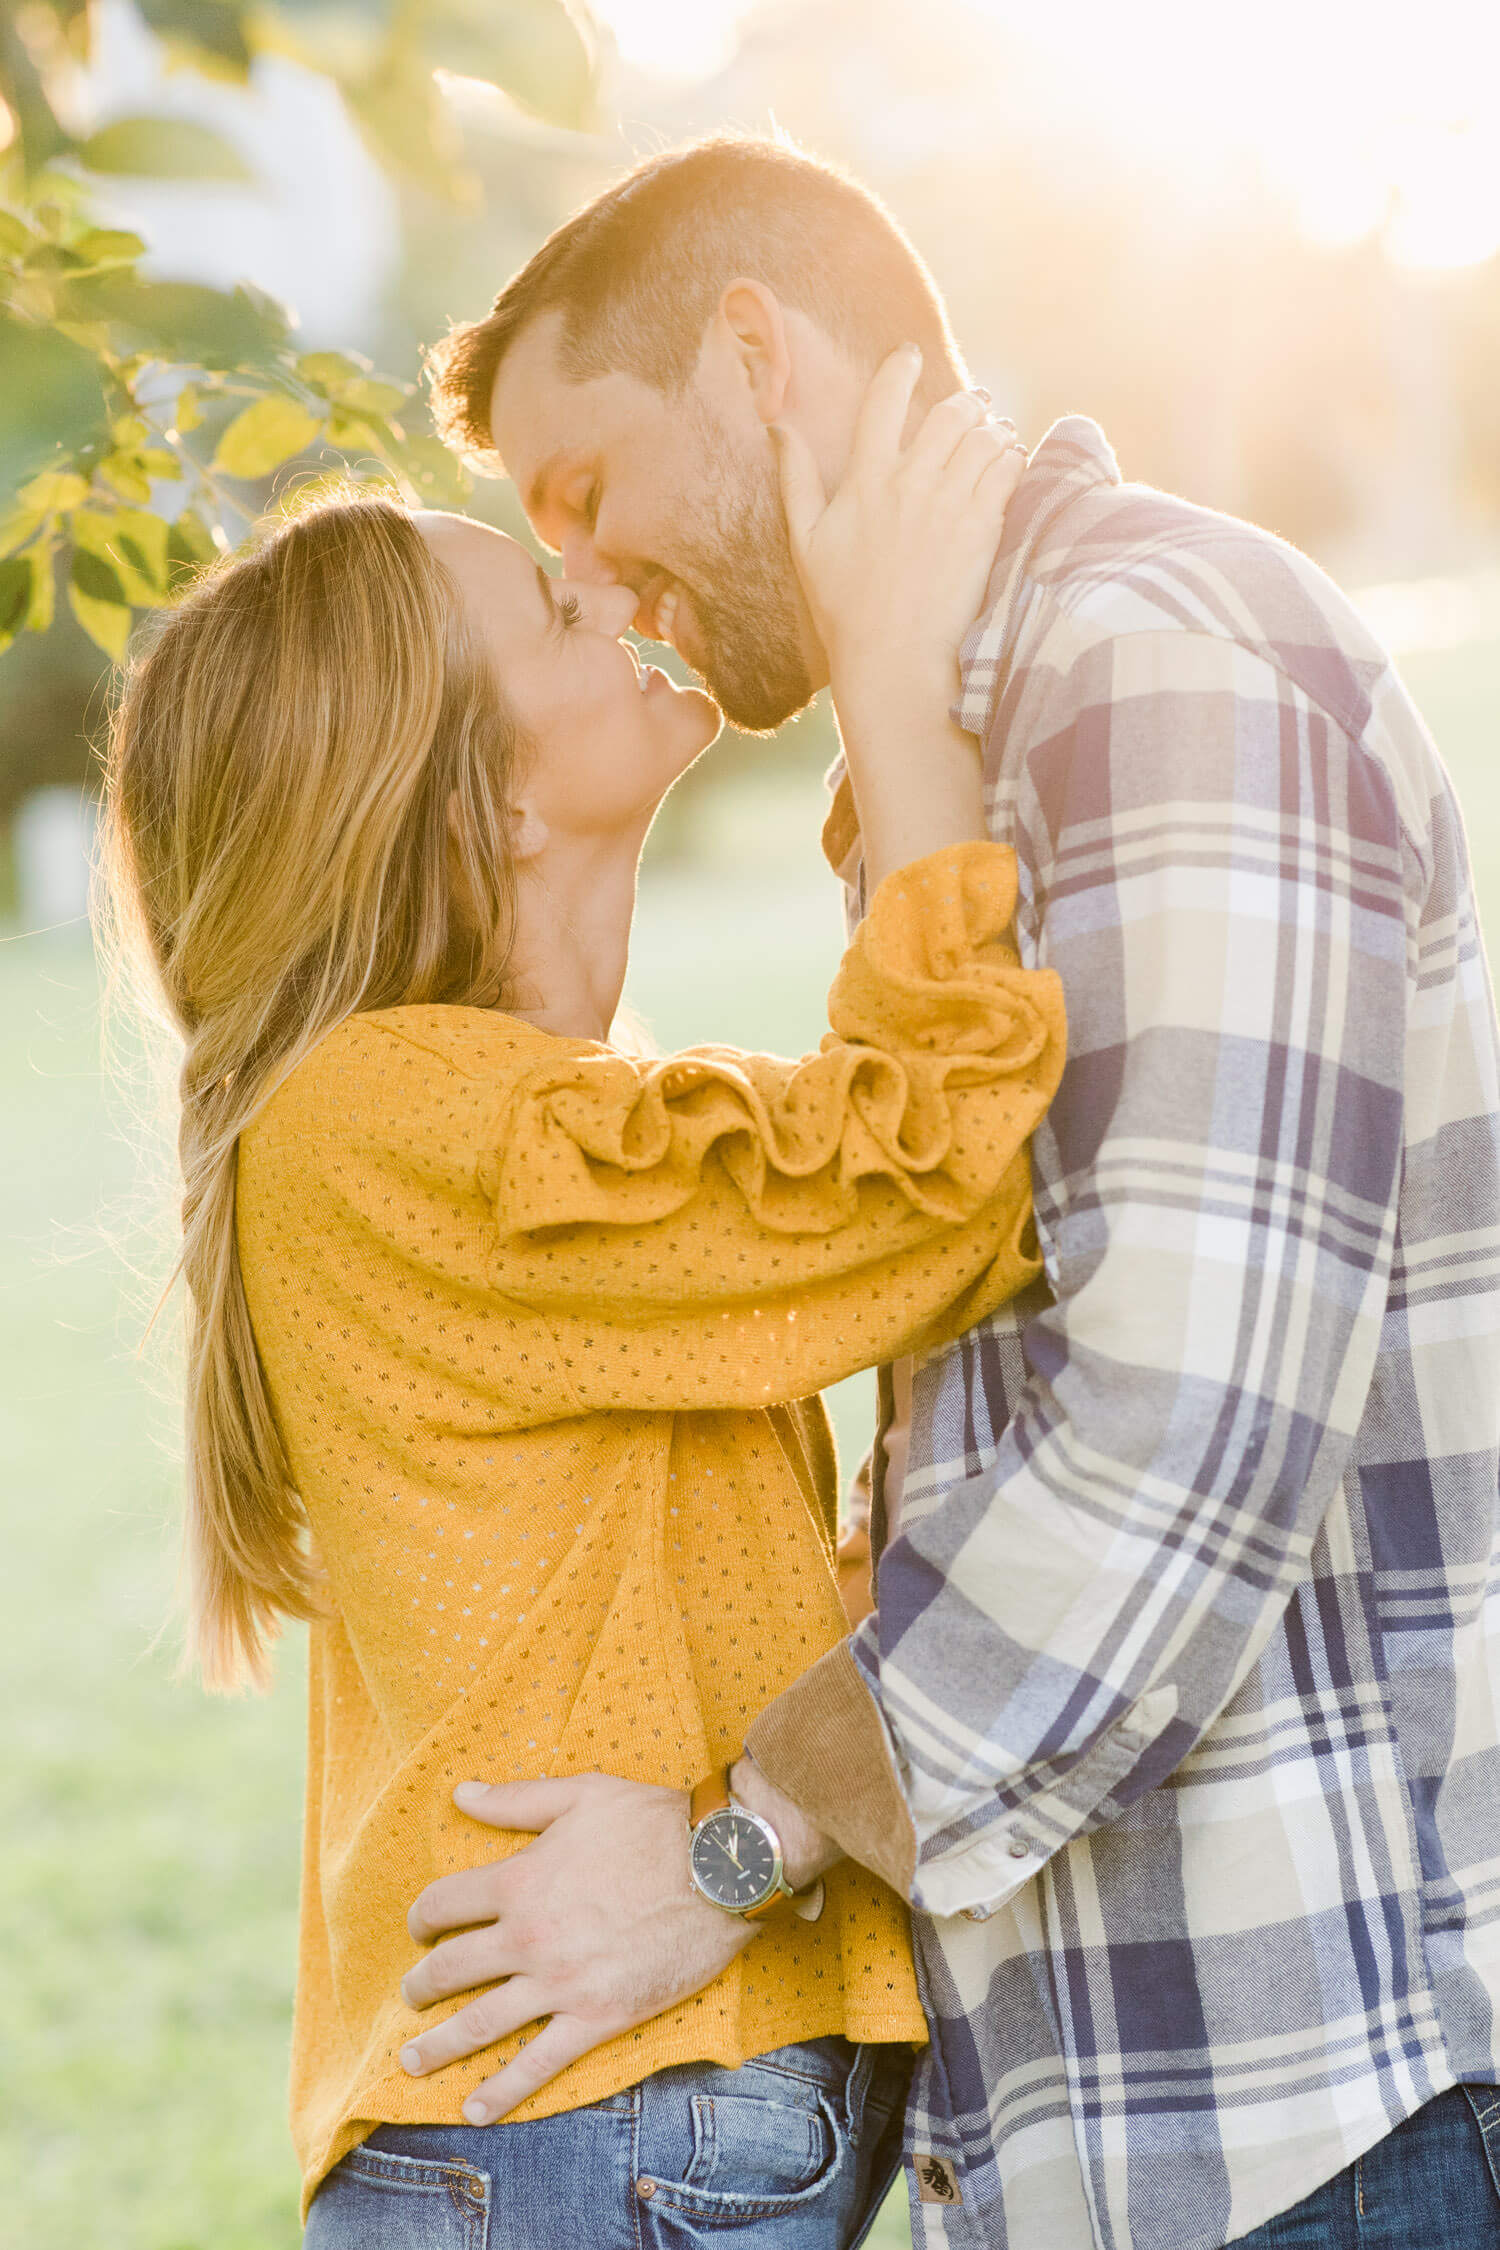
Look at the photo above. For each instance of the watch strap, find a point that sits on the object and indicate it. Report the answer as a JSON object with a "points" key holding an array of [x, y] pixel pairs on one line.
{"points": [[710, 1795]]}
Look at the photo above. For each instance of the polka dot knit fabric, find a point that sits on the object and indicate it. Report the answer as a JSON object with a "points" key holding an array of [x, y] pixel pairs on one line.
{"points": [[541, 1326]]}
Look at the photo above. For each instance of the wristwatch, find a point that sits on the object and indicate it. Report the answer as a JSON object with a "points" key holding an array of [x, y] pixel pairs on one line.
{"points": [[734, 1856]]}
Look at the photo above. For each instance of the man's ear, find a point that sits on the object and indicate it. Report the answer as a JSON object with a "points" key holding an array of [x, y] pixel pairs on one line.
{"points": [[755, 335], [529, 833]]}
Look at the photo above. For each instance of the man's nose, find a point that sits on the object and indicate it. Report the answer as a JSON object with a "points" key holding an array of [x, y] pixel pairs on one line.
{"points": [[582, 561]]}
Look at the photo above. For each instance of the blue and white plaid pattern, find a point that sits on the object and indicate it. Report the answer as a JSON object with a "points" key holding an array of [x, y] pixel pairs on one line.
{"points": [[1187, 1646]]}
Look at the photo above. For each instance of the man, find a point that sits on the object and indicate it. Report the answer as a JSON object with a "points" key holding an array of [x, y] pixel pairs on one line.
{"points": [[1177, 1721]]}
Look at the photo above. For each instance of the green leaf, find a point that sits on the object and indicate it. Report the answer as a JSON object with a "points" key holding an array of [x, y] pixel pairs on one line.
{"points": [[162, 148], [16, 238], [123, 473], [366, 396], [208, 34], [409, 127], [180, 320], [535, 49], [189, 547], [263, 436], [106, 623], [108, 246], [132, 544], [432, 473], [43, 588], [94, 578], [53, 491], [53, 394], [15, 596], [18, 525], [187, 413], [349, 384], [143, 546], [329, 371], [352, 434]]}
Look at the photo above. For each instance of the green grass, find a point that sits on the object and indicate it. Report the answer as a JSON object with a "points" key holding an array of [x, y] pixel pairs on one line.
{"points": [[148, 1884]]}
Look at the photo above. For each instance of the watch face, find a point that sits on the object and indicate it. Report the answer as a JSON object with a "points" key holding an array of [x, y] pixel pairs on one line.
{"points": [[734, 1859]]}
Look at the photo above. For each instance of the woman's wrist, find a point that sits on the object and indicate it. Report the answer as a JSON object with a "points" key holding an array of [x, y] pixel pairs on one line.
{"points": [[918, 783]]}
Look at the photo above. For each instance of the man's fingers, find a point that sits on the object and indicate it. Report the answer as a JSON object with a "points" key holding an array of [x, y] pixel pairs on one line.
{"points": [[883, 412], [519, 1804], [457, 1902], [458, 1965], [802, 496], [494, 2015], [556, 2045]]}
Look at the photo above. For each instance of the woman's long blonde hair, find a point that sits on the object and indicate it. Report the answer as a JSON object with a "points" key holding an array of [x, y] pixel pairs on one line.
{"points": [[306, 816]]}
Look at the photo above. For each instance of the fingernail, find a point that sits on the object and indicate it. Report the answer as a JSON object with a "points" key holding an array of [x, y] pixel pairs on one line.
{"points": [[977, 390], [913, 351], [475, 2113], [411, 2061], [467, 1791]]}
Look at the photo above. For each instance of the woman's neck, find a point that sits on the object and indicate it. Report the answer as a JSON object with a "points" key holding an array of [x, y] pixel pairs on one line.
{"points": [[575, 902]]}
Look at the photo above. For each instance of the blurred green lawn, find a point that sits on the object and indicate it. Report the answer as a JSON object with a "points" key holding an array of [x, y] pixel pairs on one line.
{"points": [[148, 1885]]}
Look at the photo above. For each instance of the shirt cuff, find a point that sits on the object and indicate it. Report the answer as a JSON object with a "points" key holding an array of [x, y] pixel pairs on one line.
{"points": [[823, 1744], [976, 1865]]}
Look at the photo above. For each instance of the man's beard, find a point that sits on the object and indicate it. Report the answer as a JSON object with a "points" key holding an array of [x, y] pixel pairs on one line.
{"points": [[737, 566]]}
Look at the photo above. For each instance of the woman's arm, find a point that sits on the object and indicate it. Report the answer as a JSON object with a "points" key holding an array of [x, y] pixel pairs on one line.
{"points": [[720, 1229], [893, 569]]}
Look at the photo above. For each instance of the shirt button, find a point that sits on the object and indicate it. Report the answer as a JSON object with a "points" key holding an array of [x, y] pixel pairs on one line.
{"points": [[1019, 1849], [977, 1913]]}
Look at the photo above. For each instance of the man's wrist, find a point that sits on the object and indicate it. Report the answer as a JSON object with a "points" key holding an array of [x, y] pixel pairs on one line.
{"points": [[806, 1852]]}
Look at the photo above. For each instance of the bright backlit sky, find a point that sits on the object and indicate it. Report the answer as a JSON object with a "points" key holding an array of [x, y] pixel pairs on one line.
{"points": [[1357, 110]]}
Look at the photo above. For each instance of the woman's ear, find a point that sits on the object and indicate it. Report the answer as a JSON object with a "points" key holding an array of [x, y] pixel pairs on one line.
{"points": [[529, 833]]}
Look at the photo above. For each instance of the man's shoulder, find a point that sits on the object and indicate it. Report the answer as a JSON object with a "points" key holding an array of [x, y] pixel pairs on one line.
{"points": [[1126, 559]]}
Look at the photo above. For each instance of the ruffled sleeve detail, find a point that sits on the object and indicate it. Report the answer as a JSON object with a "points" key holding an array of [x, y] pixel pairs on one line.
{"points": [[942, 1057]]}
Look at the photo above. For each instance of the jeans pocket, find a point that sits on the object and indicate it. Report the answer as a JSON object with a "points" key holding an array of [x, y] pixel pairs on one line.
{"points": [[753, 2158], [1484, 2102], [374, 2201], [744, 2142]]}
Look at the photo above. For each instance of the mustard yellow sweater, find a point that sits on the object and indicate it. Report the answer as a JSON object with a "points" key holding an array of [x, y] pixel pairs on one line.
{"points": [[539, 1323]]}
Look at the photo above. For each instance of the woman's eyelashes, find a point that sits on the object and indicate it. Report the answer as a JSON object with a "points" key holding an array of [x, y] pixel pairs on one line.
{"points": [[569, 610]]}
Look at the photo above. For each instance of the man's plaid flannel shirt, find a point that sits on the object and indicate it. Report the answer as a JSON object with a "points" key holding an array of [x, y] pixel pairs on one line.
{"points": [[1188, 1647]]}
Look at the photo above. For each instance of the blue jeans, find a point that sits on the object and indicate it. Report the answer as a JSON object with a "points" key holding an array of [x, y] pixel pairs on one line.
{"points": [[793, 2151], [1432, 2184]]}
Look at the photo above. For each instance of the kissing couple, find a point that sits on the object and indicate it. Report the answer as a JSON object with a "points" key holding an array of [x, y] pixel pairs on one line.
{"points": [[1133, 1863]]}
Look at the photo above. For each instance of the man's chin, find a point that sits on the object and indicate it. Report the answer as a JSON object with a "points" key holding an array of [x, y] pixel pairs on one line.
{"points": [[761, 706]]}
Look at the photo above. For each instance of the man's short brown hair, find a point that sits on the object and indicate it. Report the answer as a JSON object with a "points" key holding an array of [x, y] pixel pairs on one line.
{"points": [[637, 274]]}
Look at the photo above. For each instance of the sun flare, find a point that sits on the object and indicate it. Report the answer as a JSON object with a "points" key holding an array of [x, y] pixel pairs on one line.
{"points": [[1355, 114]]}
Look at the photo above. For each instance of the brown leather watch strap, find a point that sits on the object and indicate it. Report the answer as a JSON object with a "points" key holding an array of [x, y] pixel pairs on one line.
{"points": [[710, 1795]]}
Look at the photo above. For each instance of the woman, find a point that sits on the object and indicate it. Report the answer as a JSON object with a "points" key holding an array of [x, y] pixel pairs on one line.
{"points": [[501, 1340]]}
